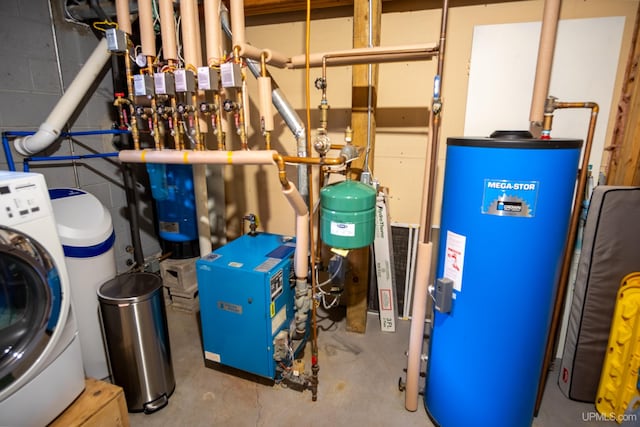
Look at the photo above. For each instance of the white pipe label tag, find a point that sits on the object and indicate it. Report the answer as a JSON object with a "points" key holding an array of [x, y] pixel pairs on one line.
{"points": [[454, 259], [344, 229]]}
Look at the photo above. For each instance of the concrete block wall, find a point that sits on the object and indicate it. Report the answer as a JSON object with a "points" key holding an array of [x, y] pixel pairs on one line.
{"points": [[31, 72]]}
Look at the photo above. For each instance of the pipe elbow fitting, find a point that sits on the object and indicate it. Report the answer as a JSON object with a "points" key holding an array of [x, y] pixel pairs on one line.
{"points": [[32, 144]]}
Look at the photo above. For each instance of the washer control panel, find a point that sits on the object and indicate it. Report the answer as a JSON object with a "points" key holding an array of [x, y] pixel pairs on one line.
{"points": [[23, 197]]}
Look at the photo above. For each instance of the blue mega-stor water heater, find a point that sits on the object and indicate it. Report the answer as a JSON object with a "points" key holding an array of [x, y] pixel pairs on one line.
{"points": [[505, 214]]}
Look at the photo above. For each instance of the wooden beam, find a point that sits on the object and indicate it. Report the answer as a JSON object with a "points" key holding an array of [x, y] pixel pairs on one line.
{"points": [[359, 259], [264, 7], [624, 163]]}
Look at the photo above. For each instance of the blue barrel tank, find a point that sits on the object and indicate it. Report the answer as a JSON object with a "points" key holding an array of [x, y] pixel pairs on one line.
{"points": [[505, 216], [172, 189]]}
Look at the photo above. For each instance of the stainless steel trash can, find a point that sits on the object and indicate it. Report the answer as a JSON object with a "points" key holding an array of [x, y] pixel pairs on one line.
{"points": [[134, 323]]}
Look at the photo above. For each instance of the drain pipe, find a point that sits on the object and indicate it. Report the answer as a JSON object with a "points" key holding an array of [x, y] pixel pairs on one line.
{"points": [[50, 130], [288, 113]]}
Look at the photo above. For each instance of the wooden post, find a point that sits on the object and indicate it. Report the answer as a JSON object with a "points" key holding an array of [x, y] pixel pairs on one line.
{"points": [[624, 163], [362, 124]]}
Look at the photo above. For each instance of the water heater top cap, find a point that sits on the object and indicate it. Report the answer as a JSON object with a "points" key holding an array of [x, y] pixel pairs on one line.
{"points": [[511, 134], [514, 139]]}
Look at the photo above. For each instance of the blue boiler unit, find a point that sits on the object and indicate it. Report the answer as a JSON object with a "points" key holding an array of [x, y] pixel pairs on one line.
{"points": [[247, 301], [505, 214]]}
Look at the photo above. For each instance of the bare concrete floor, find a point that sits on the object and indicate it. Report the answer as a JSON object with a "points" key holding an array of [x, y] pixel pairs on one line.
{"points": [[358, 386]]}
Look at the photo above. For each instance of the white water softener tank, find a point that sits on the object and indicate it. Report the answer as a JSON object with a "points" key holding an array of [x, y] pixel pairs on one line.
{"points": [[87, 237]]}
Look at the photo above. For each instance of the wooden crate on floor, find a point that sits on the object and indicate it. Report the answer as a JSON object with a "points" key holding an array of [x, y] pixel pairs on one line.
{"points": [[101, 404]]}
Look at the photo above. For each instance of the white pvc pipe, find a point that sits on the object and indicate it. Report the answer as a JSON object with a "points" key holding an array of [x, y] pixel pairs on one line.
{"points": [[237, 22], [168, 30], [50, 130], [213, 157], [213, 31], [147, 33], [124, 16], [416, 334]]}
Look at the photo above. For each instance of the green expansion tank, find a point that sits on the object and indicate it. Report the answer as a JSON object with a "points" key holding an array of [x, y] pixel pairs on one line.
{"points": [[347, 219]]}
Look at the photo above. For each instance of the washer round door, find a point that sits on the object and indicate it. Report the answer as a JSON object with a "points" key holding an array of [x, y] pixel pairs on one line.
{"points": [[30, 301]]}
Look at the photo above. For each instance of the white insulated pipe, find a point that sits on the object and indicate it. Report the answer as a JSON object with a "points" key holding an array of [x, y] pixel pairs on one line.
{"points": [[301, 260], [213, 157], [168, 30], [213, 31], [193, 56], [50, 130], [271, 56], [548, 33], [124, 16], [190, 32], [264, 103], [147, 33], [237, 22], [366, 55], [416, 333]]}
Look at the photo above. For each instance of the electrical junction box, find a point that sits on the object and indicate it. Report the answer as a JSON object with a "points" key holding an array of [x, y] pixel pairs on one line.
{"points": [[116, 41], [208, 78], [185, 82], [143, 85], [164, 84], [231, 75], [246, 299]]}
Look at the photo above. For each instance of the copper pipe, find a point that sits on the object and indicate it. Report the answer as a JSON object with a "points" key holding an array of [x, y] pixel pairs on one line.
{"points": [[263, 65], [219, 129], [177, 136], [134, 121], [267, 140], [196, 124], [435, 135], [425, 245], [154, 109], [331, 161], [282, 171], [570, 243]]}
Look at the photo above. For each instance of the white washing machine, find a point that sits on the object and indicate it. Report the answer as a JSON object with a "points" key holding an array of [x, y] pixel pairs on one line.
{"points": [[41, 369]]}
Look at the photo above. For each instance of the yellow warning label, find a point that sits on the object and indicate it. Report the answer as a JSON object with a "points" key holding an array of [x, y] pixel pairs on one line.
{"points": [[272, 309]]}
